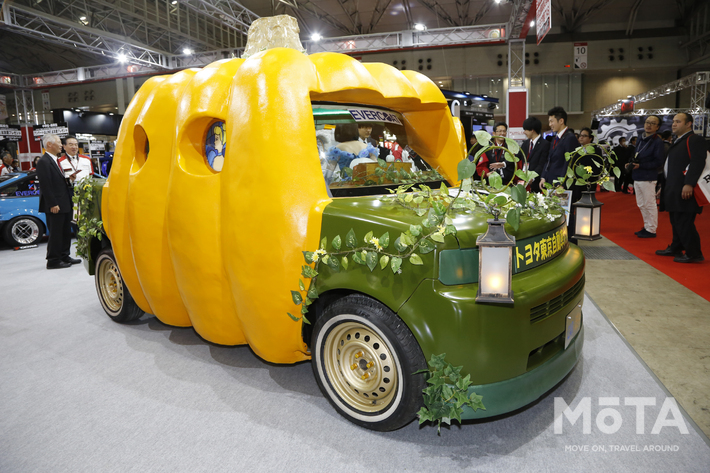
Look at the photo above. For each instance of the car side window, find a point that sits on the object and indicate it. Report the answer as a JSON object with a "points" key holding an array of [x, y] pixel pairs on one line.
{"points": [[26, 187]]}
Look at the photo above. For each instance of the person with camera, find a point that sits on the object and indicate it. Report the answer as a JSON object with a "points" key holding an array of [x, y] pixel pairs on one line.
{"points": [[643, 167]]}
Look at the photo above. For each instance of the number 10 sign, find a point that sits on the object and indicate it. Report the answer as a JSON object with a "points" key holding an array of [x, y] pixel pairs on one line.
{"points": [[580, 55]]}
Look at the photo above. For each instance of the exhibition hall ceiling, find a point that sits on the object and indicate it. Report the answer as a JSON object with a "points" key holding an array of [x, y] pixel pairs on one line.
{"points": [[48, 35]]}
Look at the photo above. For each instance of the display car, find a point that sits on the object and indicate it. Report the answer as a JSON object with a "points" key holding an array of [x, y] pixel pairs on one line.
{"points": [[21, 222], [223, 176]]}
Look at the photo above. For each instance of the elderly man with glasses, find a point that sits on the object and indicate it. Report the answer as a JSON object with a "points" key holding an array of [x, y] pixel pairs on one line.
{"points": [[648, 157]]}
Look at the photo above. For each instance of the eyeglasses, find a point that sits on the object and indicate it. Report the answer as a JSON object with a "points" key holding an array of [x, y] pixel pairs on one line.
{"points": [[584, 136], [651, 123]]}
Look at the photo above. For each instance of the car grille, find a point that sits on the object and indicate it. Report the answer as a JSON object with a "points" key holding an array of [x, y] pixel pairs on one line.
{"points": [[548, 308]]}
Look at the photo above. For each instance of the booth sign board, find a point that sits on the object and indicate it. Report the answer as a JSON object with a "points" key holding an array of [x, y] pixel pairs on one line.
{"points": [[543, 18], [10, 132], [60, 129]]}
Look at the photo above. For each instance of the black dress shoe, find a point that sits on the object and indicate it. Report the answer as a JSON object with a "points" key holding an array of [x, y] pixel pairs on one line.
{"points": [[687, 259], [645, 234], [669, 252], [60, 265], [71, 260]]}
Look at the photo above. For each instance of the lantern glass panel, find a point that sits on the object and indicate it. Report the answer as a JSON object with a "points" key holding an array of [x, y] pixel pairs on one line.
{"points": [[495, 270], [596, 216], [583, 222]]}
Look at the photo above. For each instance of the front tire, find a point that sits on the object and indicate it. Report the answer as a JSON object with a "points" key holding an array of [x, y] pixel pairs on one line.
{"points": [[364, 360], [113, 293], [21, 231]]}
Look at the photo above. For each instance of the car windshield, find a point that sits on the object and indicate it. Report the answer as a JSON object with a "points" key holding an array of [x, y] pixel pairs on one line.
{"points": [[365, 151], [6, 178]]}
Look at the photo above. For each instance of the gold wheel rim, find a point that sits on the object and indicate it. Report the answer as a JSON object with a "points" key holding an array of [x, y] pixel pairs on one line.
{"points": [[360, 367], [111, 285]]}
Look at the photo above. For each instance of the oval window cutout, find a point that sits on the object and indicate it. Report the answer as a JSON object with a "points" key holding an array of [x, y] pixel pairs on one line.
{"points": [[142, 146], [216, 145]]}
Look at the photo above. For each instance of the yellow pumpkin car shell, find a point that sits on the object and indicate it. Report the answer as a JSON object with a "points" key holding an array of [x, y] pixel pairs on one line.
{"points": [[221, 251]]}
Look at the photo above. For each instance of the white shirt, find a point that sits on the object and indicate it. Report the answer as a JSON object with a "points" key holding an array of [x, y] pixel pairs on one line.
{"points": [[559, 135], [665, 166]]}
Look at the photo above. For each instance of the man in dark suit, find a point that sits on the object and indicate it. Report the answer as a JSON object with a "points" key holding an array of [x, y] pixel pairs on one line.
{"points": [[55, 200], [536, 149], [563, 142], [684, 165]]}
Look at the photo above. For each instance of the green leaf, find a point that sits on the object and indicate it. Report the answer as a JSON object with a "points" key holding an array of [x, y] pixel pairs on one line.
{"points": [[308, 272], [293, 317], [344, 262], [450, 230], [415, 229], [384, 260], [381, 162], [513, 218], [438, 237], [385, 240], [323, 243], [617, 172], [519, 194], [300, 285], [495, 181], [399, 245], [357, 257], [325, 259], [416, 259], [426, 246], [379, 171], [296, 296], [368, 237], [348, 172], [351, 239], [336, 242], [438, 362], [510, 157], [589, 149], [395, 263], [418, 199], [305, 320], [476, 402], [333, 263], [304, 309], [312, 293], [483, 137], [513, 145], [465, 169], [371, 260], [608, 185], [439, 208], [500, 200]]}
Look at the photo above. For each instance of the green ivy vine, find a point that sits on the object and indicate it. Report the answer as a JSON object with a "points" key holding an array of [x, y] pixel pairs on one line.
{"points": [[83, 199]]}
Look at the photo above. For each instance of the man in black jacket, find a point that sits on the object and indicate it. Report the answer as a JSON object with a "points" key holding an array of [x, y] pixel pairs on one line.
{"points": [[536, 149], [55, 193], [684, 165], [563, 142]]}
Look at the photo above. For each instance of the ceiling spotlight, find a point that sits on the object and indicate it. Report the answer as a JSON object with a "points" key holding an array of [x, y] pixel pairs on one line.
{"points": [[532, 23], [497, 1], [110, 113], [316, 37], [122, 58], [82, 18], [187, 51], [419, 27], [174, 2]]}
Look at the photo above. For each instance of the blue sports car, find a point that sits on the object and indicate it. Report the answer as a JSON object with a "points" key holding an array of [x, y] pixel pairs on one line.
{"points": [[21, 223]]}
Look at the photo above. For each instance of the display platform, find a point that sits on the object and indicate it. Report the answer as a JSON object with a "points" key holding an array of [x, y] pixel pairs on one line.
{"points": [[82, 393]]}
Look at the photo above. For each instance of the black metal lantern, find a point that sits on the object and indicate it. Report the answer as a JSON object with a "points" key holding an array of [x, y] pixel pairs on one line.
{"points": [[495, 264], [588, 214]]}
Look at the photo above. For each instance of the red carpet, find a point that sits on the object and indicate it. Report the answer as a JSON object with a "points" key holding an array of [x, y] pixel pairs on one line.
{"points": [[621, 218]]}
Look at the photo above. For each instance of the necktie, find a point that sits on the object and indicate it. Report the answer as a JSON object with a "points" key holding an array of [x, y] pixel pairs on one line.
{"points": [[555, 141]]}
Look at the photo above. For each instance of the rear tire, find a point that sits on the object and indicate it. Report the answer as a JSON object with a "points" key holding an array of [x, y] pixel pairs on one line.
{"points": [[112, 291], [21, 231], [364, 359]]}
